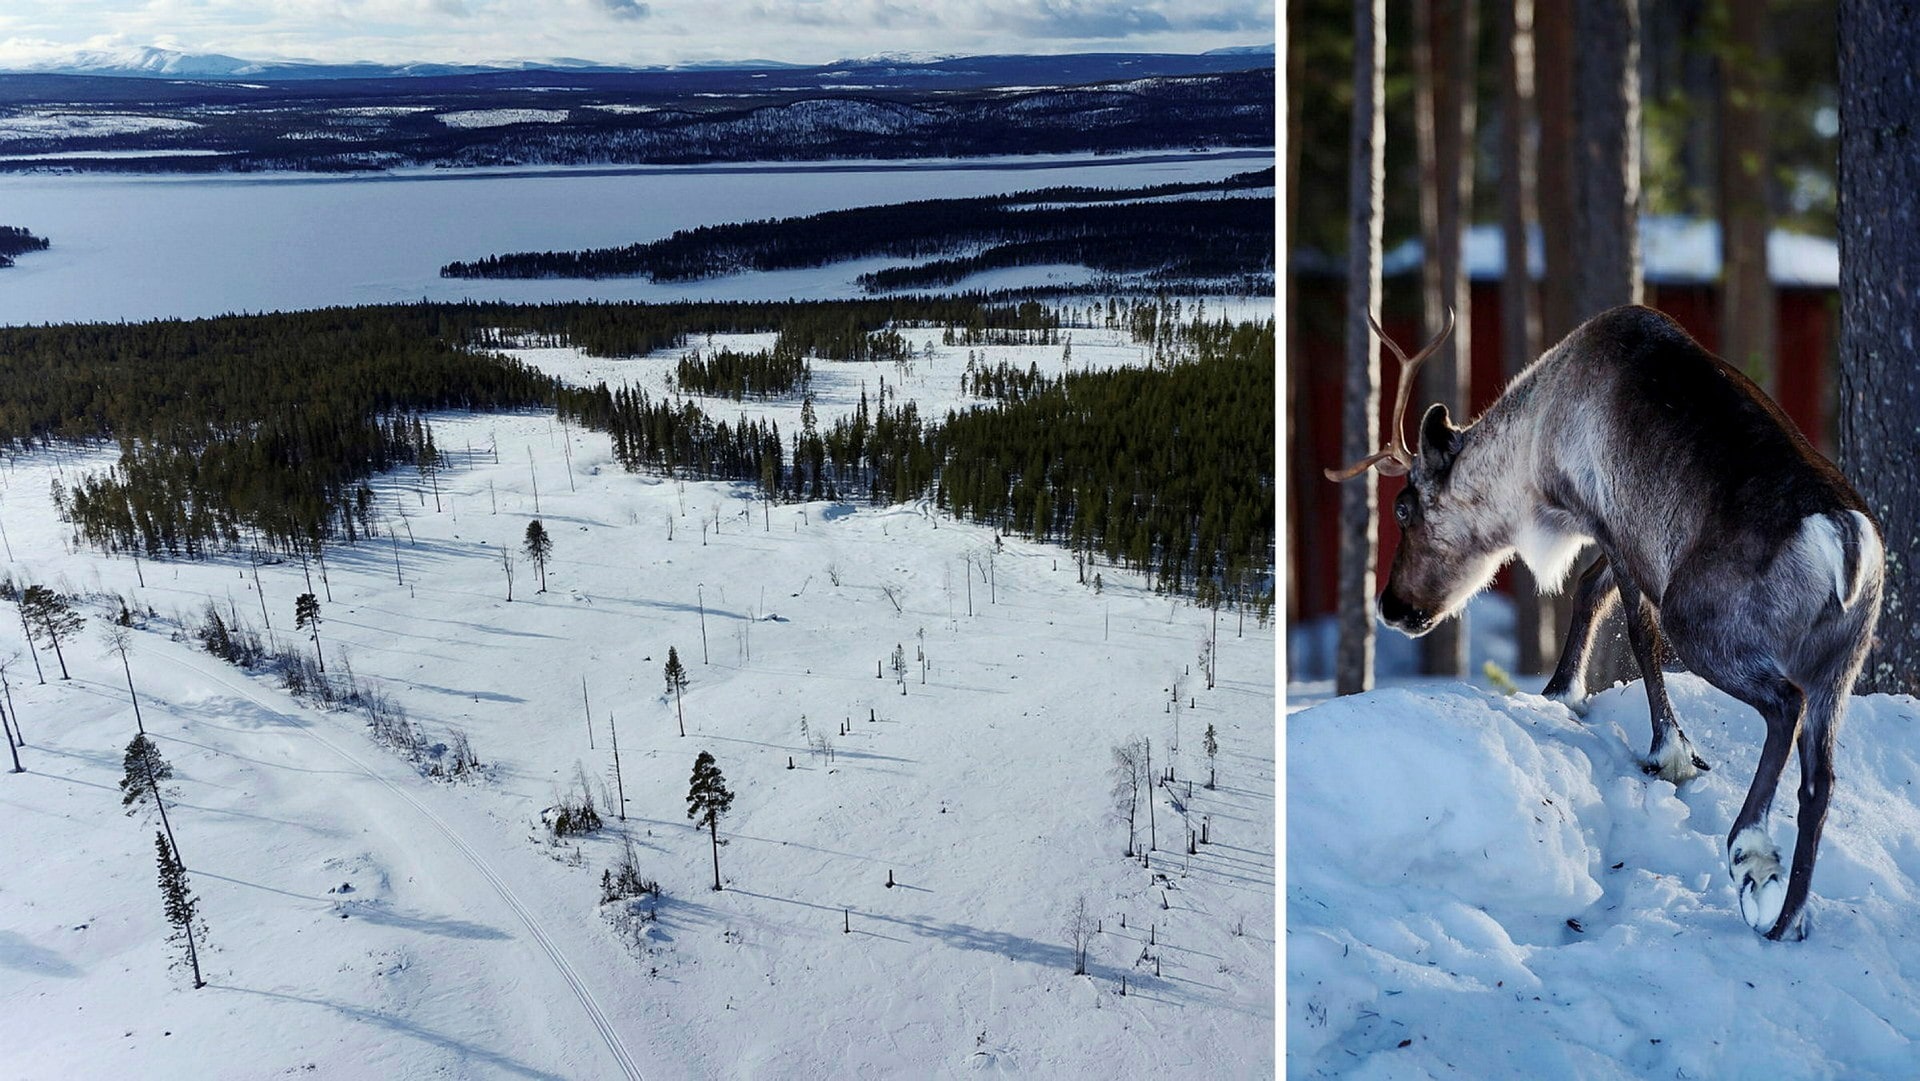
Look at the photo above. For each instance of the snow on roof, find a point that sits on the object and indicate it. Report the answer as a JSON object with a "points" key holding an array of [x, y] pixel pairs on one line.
{"points": [[1673, 251]]}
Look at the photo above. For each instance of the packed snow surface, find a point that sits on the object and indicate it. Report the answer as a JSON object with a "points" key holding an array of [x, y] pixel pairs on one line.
{"points": [[1489, 887], [367, 921]]}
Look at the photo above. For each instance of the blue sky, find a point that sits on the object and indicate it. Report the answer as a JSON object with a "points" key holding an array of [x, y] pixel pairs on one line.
{"points": [[622, 31]]}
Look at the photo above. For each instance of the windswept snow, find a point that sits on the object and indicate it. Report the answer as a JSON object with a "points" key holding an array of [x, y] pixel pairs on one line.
{"points": [[1488, 887]]}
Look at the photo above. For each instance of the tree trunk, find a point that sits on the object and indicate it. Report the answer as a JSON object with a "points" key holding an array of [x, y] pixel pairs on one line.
{"points": [[1553, 85], [1360, 408], [1879, 278], [1747, 308], [713, 831], [55, 635], [1607, 171], [137, 722], [1446, 36], [1607, 232], [12, 747], [1519, 315]]}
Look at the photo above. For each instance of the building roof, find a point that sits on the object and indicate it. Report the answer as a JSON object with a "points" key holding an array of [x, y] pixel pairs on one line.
{"points": [[1673, 251]]}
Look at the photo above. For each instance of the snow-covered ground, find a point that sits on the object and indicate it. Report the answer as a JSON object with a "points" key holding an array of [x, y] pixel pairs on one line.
{"points": [[1489, 887], [366, 921], [493, 118]]}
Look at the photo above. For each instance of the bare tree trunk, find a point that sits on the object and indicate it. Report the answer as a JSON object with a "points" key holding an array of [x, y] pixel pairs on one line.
{"points": [[1607, 170], [1879, 277], [1360, 409], [1446, 36], [1607, 188], [1519, 315], [1553, 84], [1747, 308]]}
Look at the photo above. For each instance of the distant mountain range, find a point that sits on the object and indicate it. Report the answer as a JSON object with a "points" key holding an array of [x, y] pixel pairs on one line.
{"points": [[163, 111], [152, 62]]}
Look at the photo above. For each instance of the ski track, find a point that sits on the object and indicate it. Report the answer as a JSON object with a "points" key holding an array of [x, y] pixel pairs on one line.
{"points": [[615, 1046]]}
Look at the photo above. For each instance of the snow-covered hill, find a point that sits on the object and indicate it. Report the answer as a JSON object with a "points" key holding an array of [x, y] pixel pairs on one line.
{"points": [[1488, 887], [368, 921]]}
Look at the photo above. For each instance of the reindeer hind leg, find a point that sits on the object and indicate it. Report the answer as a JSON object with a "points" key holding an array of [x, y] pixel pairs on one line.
{"points": [[1671, 756]]}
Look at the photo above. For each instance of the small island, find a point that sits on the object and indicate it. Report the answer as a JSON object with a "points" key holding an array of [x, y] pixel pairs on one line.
{"points": [[16, 241]]}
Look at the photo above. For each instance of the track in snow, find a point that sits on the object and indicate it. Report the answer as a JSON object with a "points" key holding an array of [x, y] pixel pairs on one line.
{"points": [[590, 1004]]}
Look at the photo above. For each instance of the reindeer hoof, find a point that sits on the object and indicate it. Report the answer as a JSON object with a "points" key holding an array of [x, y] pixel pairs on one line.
{"points": [[1577, 701], [1761, 882], [1675, 762]]}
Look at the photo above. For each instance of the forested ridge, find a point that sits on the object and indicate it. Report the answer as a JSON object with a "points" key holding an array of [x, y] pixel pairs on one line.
{"points": [[1157, 231], [264, 429]]}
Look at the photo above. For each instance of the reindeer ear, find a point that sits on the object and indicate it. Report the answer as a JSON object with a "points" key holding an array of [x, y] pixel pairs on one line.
{"points": [[1439, 440]]}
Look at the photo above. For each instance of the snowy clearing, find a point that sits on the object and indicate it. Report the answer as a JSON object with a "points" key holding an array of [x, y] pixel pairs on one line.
{"points": [[361, 913], [1489, 887], [493, 118], [59, 125]]}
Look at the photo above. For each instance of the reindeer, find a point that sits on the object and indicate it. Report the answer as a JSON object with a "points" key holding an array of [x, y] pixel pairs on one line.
{"points": [[1721, 531]]}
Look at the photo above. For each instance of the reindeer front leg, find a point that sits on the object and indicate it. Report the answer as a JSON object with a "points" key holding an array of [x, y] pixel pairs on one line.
{"points": [[1671, 757]]}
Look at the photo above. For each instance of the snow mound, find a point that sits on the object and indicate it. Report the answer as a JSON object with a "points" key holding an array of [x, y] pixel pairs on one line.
{"points": [[1487, 886]]}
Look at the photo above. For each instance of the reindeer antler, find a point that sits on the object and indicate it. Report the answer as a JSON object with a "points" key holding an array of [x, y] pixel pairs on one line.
{"points": [[1395, 458]]}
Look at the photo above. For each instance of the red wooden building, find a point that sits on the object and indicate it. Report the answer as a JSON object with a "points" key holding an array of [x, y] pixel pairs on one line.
{"points": [[1805, 271]]}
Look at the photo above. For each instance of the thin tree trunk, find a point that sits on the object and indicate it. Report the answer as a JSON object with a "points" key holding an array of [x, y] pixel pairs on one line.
{"points": [[137, 722], [1553, 85], [1747, 307], [153, 786], [31, 651], [713, 830], [1444, 63], [1879, 277], [1360, 408], [51, 633], [1519, 314], [12, 746], [679, 712]]}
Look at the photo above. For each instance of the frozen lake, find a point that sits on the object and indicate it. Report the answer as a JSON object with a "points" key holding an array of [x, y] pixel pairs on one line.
{"points": [[171, 246]]}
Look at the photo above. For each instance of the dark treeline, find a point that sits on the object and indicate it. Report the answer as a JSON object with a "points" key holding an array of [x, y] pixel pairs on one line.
{"points": [[1107, 229], [762, 373], [265, 429], [17, 241], [1166, 470]]}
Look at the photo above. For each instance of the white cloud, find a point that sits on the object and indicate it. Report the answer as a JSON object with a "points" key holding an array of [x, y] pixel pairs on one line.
{"points": [[622, 31]]}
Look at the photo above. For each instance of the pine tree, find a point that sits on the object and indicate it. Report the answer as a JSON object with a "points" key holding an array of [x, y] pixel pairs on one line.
{"points": [[306, 613], [145, 769], [50, 616], [1212, 744], [707, 800], [181, 906], [538, 546], [676, 684]]}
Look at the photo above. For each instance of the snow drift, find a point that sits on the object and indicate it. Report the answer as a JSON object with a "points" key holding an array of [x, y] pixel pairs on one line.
{"points": [[1486, 886]]}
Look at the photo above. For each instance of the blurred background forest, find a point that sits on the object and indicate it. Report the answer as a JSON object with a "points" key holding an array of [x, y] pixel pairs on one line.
{"points": [[1681, 153]]}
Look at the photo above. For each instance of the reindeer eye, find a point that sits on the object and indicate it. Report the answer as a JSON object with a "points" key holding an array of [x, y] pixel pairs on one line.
{"points": [[1403, 510]]}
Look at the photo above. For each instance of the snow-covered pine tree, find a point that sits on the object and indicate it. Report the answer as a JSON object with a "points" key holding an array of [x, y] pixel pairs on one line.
{"points": [[708, 799], [50, 616], [539, 547], [183, 910], [306, 613], [676, 675]]}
